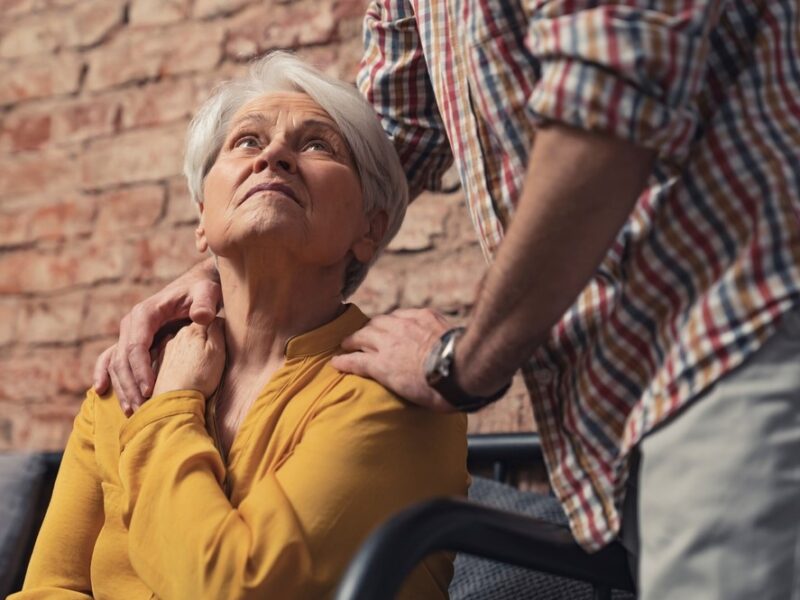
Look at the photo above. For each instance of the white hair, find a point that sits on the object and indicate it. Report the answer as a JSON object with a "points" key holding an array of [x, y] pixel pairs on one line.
{"points": [[383, 182]]}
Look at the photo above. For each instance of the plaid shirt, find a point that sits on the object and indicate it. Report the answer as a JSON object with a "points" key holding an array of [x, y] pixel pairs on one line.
{"points": [[707, 262]]}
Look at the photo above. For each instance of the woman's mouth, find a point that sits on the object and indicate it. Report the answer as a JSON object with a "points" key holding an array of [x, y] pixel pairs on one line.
{"points": [[272, 186]]}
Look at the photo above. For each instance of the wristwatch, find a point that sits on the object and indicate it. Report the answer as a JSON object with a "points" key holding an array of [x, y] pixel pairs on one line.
{"points": [[441, 376]]}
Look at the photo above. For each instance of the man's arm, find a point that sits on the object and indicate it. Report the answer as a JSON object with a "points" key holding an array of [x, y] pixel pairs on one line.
{"points": [[579, 190], [630, 71]]}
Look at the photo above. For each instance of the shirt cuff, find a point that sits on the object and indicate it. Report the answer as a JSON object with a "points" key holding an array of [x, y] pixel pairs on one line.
{"points": [[590, 97], [162, 406]]}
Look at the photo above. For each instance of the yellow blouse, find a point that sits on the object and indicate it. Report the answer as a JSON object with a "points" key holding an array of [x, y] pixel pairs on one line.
{"points": [[146, 507]]}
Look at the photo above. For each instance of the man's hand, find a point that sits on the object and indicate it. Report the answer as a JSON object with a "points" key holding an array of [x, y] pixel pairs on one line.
{"points": [[391, 349], [193, 360], [127, 364]]}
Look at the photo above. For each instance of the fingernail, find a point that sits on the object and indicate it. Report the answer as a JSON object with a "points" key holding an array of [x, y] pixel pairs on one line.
{"points": [[143, 389]]}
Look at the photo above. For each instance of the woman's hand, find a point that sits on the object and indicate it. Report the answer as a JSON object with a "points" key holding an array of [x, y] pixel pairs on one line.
{"points": [[127, 365], [193, 360]]}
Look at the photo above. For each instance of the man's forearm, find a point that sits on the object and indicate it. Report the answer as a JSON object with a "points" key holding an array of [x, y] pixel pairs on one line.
{"points": [[579, 190]]}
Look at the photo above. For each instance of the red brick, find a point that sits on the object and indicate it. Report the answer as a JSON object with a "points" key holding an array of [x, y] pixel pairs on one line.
{"points": [[94, 20], [84, 119], [68, 216], [158, 103], [512, 413], [16, 8], [42, 374], [33, 34], [165, 253], [181, 209], [350, 9], [14, 228], [445, 282], [90, 351], [380, 291], [424, 222], [63, 122], [46, 31], [51, 424], [12, 418], [139, 54], [9, 309], [37, 172], [204, 83], [28, 130], [78, 263], [262, 28], [39, 77], [142, 155], [213, 8], [129, 210], [158, 12], [54, 319], [336, 59], [107, 305], [45, 216]]}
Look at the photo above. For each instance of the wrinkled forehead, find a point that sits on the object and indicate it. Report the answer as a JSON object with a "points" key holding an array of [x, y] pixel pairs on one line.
{"points": [[283, 109]]}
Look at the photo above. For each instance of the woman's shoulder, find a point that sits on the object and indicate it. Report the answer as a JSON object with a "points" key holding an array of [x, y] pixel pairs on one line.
{"points": [[359, 399]]}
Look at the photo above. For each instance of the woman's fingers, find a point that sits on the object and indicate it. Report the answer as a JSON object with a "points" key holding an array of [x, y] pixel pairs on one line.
{"points": [[193, 360]]}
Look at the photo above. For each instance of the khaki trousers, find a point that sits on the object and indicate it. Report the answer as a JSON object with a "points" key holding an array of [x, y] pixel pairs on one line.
{"points": [[712, 508]]}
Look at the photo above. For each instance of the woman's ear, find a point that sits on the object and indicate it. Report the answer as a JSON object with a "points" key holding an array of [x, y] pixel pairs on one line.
{"points": [[200, 241], [367, 245]]}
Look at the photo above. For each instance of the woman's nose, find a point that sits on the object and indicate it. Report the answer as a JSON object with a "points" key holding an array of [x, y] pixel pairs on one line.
{"points": [[276, 157]]}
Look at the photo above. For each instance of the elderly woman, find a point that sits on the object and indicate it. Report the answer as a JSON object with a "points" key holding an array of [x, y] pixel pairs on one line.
{"points": [[256, 469]]}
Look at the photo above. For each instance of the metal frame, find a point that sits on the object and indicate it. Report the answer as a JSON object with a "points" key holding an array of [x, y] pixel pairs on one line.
{"points": [[391, 552]]}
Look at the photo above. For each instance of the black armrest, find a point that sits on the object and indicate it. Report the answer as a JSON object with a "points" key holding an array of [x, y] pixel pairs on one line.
{"points": [[504, 452], [392, 551]]}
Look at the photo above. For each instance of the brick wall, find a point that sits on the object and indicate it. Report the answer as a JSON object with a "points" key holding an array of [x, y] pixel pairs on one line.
{"points": [[95, 96]]}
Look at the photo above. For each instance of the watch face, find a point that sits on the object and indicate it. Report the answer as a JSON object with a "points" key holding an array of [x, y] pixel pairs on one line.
{"points": [[432, 374]]}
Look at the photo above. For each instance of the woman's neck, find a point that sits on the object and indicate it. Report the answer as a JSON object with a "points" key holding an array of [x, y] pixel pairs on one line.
{"points": [[266, 307]]}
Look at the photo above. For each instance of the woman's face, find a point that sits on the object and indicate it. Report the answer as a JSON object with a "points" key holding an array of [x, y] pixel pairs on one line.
{"points": [[284, 180]]}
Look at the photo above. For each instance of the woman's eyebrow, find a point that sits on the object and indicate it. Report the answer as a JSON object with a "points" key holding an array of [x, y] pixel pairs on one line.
{"points": [[317, 124], [251, 118]]}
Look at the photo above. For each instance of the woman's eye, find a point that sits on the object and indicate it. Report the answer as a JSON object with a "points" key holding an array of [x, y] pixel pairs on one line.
{"points": [[318, 146], [247, 141]]}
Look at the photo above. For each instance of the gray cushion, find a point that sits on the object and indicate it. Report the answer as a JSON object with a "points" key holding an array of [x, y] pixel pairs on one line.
{"points": [[20, 482], [480, 579]]}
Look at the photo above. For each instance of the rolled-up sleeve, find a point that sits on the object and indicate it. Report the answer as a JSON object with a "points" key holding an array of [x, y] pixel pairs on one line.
{"points": [[630, 69], [394, 78]]}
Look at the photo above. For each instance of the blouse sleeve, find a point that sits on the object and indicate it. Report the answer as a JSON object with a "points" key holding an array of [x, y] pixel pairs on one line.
{"points": [[295, 531], [61, 559]]}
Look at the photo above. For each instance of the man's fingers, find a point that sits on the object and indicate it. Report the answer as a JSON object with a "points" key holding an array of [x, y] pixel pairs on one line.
{"points": [[204, 302], [100, 375], [140, 326], [356, 363], [365, 339], [420, 315], [124, 382], [142, 369]]}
